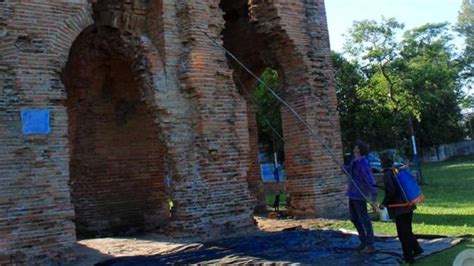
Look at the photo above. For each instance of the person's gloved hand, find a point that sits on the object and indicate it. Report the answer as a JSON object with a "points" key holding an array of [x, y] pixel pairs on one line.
{"points": [[375, 207]]}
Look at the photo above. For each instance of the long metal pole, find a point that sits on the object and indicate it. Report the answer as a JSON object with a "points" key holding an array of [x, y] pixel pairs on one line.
{"points": [[415, 153]]}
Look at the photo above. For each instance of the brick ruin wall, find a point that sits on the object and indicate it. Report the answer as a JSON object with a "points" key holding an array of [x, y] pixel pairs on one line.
{"points": [[144, 108], [116, 158]]}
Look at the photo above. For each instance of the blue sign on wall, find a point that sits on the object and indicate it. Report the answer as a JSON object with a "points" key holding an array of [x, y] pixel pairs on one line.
{"points": [[35, 121]]}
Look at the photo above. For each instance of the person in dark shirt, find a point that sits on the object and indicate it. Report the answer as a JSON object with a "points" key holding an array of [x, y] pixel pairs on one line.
{"points": [[276, 203], [402, 215], [360, 190]]}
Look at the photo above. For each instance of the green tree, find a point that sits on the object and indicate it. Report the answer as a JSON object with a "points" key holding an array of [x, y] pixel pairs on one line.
{"points": [[465, 27], [416, 77], [470, 126], [431, 73], [350, 106], [374, 45], [468, 101], [384, 101], [268, 113]]}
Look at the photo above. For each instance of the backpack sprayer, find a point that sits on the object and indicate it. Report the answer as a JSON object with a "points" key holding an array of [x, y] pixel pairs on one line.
{"points": [[411, 191]]}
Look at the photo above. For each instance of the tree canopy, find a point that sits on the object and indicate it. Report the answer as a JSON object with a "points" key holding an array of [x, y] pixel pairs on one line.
{"points": [[465, 27], [387, 79]]}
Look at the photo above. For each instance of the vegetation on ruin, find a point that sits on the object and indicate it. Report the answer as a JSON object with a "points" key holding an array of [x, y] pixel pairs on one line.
{"points": [[270, 133]]}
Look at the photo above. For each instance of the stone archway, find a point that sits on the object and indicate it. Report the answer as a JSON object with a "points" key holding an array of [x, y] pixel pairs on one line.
{"points": [[172, 84], [116, 155], [262, 52], [292, 38]]}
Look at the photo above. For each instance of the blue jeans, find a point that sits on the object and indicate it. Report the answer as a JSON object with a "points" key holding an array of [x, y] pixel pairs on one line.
{"points": [[361, 220]]}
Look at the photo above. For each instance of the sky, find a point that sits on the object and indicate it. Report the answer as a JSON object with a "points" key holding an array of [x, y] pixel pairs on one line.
{"points": [[413, 13]]}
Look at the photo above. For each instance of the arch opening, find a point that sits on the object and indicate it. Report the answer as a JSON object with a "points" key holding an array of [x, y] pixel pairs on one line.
{"points": [[116, 156], [243, 38]]}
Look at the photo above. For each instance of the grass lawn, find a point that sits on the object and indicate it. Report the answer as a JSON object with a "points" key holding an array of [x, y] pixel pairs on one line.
{"points": [[447, 210], [270, 197]]}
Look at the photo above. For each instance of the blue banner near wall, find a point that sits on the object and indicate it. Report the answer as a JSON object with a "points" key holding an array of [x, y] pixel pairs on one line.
{"points": [[267, 169], [35, 121], [270, 174]]}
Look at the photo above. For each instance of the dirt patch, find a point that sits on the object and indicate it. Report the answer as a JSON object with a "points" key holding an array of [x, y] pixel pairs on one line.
{"points": [[274, 225]]}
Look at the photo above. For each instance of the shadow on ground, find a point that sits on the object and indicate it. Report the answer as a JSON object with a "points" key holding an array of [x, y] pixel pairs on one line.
{"points": [[315, 247]]}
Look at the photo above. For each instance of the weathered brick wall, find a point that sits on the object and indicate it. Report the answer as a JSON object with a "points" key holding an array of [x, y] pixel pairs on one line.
{"points": [[254, 178], [236, 35], [214, 199], [292, 37], [300, 42], [154, 102], [117, 160], [35, 205]]}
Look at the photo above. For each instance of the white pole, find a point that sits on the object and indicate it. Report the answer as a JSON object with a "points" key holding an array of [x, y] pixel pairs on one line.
{"points": [[413, 142]]}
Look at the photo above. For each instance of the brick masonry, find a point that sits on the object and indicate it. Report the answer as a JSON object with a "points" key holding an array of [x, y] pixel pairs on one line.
{"points": [[144, 108], [116, 158]]}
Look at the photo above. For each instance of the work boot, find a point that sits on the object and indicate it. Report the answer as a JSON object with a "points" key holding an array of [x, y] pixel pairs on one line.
{"points": [[409, 260], [367, 250], [417, 252]]}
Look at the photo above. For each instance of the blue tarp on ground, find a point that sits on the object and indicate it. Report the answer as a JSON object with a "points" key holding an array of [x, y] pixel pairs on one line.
{"points": [[307, 247]]}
